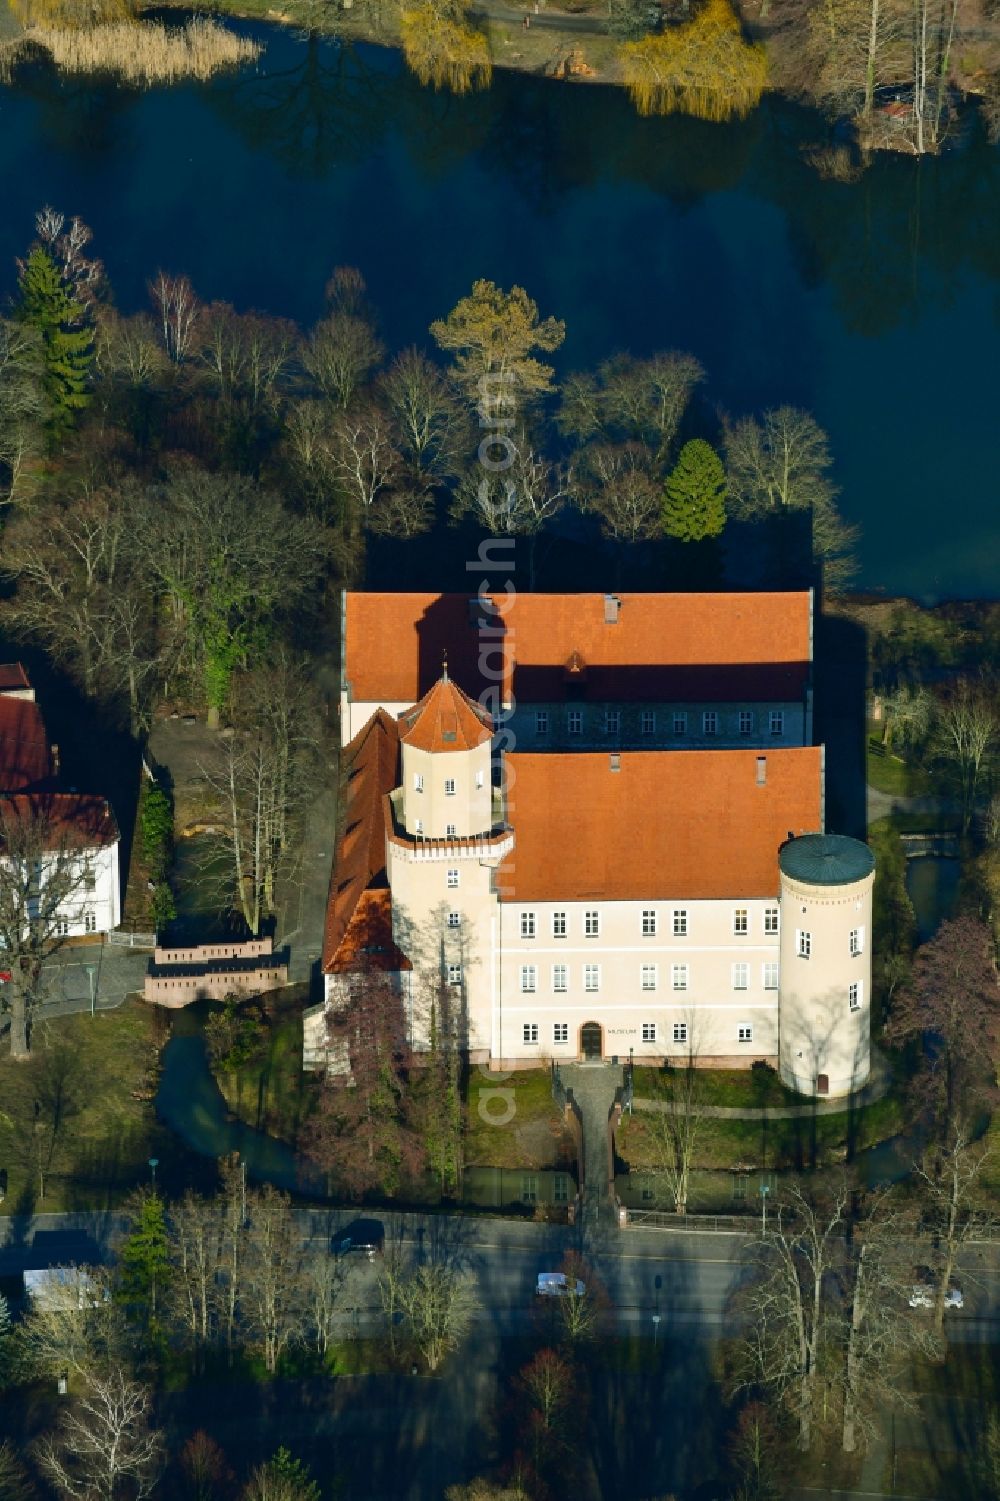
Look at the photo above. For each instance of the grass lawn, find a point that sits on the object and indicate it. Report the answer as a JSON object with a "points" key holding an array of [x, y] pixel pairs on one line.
{"points": [[891, 774], [772, 1144], [739, 1087], [273, 1093], [534, 1136], [94, 1078]]}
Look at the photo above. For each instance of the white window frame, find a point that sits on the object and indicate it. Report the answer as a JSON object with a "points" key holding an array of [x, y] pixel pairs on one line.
{"points": [[592, 923], [649, 1031], [680, 722], [560, 1031], [418, 781], [418, 826], [612, 721], [680, 1032], [541, 721], [529, 1034], [451, 831], [454, 974], [746, 722], [529, 979], [803, 943], [648, 922], [856, 995], [856, 942], [744, 1032], [741, 922], [480, 780], [741, 975], [560, 978], [776, 721], [592, 978], [647, 723], [449, 786], [770, 974], [559, 927], [527, 925], [772, 922], [710, 722], [679, 976], [648, 977], [574, 721], [451, 880], [454, 919], [680, 922]]}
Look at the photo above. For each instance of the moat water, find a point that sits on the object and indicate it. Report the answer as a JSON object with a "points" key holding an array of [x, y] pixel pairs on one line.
{"points": [[873, 303]]}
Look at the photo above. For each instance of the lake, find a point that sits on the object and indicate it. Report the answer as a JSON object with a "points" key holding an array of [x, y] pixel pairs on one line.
{"points": [[874, 303]]}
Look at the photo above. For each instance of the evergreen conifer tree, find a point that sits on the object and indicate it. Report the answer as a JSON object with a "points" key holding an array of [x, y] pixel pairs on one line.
{"points": [[694, 502], [47, 303]]}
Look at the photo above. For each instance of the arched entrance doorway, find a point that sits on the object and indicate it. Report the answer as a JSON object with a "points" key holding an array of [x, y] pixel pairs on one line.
{"points": [[591, 1042]]}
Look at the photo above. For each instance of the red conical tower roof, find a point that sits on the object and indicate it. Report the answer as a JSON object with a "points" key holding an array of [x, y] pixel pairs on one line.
{"points": [[445, 719]]}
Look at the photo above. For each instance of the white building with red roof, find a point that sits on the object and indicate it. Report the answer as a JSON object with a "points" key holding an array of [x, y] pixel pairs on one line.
{"points": [[571, 810]]}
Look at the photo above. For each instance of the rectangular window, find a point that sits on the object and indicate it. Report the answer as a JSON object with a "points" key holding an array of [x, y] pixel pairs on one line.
{"points": [[770, 976], [710, 722], [418, 782], [574, 722], [528, 979], [612, 721], [649, 923], [529, 1181], [649, 977], [741, 921], [527, 925], [678, 977], [770, 920], [454, 974], [541, 722], [680, 1031], [454, 919], [592, 977], [89, 922], [480, 781], [418, 826], [560, 1186], [89, 880], [741, 976], [680, 922], [451, 831], [649, 1031], [62, 926], [854, 995], [648, 722], [449, 786], [744, 1032], [803, 944], [680, 724], [558, 977], [777, 721], [746, 721], [857, 942], [530, 1032], [452, 879], [558, 925], [560, 1031], [592, 924]]}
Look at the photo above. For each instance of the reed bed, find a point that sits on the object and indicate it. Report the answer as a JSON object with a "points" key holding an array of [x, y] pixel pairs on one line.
{"points": [[145, 52]]}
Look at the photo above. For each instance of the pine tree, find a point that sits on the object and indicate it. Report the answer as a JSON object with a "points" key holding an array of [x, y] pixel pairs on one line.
{"points": [[144, 1257], [48, 304], [694, 503]]}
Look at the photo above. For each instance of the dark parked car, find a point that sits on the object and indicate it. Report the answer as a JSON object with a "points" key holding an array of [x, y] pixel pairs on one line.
{"points": [[364, 1237]]}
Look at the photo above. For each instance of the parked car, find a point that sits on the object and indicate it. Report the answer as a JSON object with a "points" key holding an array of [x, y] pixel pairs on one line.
{"points": [[922, 1296], [557, 1285], [363, 1237]]}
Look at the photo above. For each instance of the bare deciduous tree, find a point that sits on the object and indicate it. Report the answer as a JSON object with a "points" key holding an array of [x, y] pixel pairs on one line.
{"points": [[340, 354], [431, 423], [674, 1129], [194, 1227], [76, 1328], [105, 1448], [22, 406], [437, 1303], [178, 312], [618, 484], [274, 1302], [967, 729]]}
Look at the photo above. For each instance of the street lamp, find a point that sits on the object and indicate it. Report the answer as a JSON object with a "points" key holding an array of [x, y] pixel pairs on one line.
{"points": [[765, 1189], [656, 1326], [154, 1163], [91, 971]]}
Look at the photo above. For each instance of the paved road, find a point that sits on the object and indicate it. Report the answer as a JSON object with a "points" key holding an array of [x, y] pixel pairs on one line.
{"points": [[549, 20], [72, 971]]}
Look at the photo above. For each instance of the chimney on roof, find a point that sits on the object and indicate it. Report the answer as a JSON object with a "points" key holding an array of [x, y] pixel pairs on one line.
{"points": [[761, 771], [616, 761], [612, 605]]}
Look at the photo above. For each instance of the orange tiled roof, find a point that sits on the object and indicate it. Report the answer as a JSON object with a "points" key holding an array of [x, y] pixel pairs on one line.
{"points": [[13, 677], [371, 762], [676, 824], [445, 719], [25, 760], [721, 646], [71, 819]]}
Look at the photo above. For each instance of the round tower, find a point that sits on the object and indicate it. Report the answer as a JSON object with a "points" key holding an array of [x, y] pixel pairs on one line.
{"points": [[824, 1024]]}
